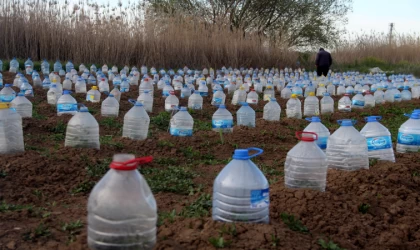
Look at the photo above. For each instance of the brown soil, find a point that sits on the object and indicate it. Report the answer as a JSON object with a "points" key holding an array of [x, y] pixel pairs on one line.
{"points": [[46, 175]]}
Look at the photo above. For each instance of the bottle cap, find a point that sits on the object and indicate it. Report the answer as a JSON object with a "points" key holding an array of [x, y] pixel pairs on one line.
{"points": [[312, 94], [127, 162], [222, 106], [183, 109], [313, 119], [243, 154], [293, 96], [95, 88], [373, 118], [346, 122]]}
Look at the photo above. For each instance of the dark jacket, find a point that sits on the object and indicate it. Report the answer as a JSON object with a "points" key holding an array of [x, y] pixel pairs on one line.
{"points": [[323, 59]]}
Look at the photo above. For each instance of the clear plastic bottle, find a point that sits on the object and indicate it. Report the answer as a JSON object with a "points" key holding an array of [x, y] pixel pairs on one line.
{"points": [[66, 104], [69, 66], [53, 95], [310, 88], [245, 116], [272, 111], [327, 104], [239, 96], [22, 106], [182, 123], [397, 94], [269, 93], [166, 90], [358, 101], [409, 134], [11, 132], [344, 104], [29, 66], [294, 107], [185, 92], [389, 96], [124, 86], [37, 81], [321, 90], [222, 120], [136, 122], [218, 98], [306, 164], [116, 93], [67, 84], [347, 148], [331, 89], [93, 68], [14, 65], [341, 90], [369, 100], [311, 105], [378, 139], [80, 86], [203, 89], [146, 100], [171, 102], [82, 130], [252, 97], [318, 128], [379, 96], [46, 83], [57, 66], [195, 101], [241, 191], [406, 94], [93, 95], [122, 211], [110, 106], [286, 93]]}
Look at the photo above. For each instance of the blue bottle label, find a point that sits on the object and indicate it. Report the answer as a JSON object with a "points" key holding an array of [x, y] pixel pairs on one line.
{"points": [[358, 103], [181, 132], [378, 143], [322, 142], [349, 91], [222, 123], [165, 93], [124, 89], [204, 93], [217, 100], [197, 106], [66, 107], [260, 198], [6, 98], [397, 96], [408, 139]]}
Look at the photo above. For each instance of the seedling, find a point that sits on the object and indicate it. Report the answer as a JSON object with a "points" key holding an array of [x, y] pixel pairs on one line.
{"points": [[330, 245], [219, 242], [172, 179], [293, 223], [274, 240], [198, 208], [363, 208]]}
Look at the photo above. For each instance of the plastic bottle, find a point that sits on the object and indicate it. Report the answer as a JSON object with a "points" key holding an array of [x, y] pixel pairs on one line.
{"points": [[195, 101], [344, 104], [327, 104], [185, 92], [203, 89], [7, 94], [379, 96], [245, 116], [306, 164], [347, 148], [294, 107], [171, 102], [389, 95], [57, 66], [241, 191], [331, 89], [358, 101], [252, 97], [29, 66], [14, 65], [67, 84], [80, 86], [397, 94], [22, 106], [239, 96], [318, 128], [218, 98], [166, 90], [66, 104], [286, 93], [116, 93], [1, 65], [311, 105], [93, 68], [406, 94], [11, 132], [124, 86], [378, 139], [222, 120], [369, 100], [122, 212], [26, 88], [310, 88], [136, 122], [272, 111], [37, 81], [269, 93], [409, 134], [182, 123], [110, 106], [146, 100], [93, 95], [53, 95], [321, 90], [82, 130]]}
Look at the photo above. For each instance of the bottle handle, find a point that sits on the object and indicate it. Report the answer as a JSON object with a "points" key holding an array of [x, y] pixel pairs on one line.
{"points": [[408, 115], [259, 151], [132, 101], [131, 164], [378, 118], [300, 133], [309, 119]]}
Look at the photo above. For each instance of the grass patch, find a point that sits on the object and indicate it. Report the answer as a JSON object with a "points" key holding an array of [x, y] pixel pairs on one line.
{"points": [[166, 161], [167, 216], [330, 245], [200, 125], [40, 231], [198, 208], [110, 122], [219, 242], [189, 152], [84, 187], [98, 169], [108, 140], [293, 223], [72, 228], [172, 179], [5, 207], [161, 121]]}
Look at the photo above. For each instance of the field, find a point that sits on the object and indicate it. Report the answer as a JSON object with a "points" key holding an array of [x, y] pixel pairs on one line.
{"points": [[44, 191]]}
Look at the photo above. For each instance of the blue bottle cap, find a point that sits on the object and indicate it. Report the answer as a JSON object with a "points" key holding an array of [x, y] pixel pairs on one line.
{"points": [[110, 95], [83, 109], [327, 94], [373, 118], [313, 119], [8, 85], [21, 94], [183, 109], [138, 104], [66, 92], [243, 154], [415, 116], [346, 122], [222, 106]]}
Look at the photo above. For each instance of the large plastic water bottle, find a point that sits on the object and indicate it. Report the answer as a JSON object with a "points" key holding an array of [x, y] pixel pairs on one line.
{"points": [[322, 132], [327, 104], [252, 97], [241, 191], [286, 93], [397, 94], [1, 65], [66, 104], [110, 106], [122, 212], [409, 134], [182, 123], [203, 89], [22, 106], [294, 107], [272, 111], [347, 148], [331, 89], [67, 84], [218, 98], [146, 100], [80, 85], [167, 89], [69, 66], [344, 104], [46, 83], [311, 105], [321, 90], [105, 69], [406, 94], [306, 164], [379, 96], [269, 93], [14, 65], [171, 102], [239, 96], [245, 116], [7, 94], [369, 100], [358, 101], [116, 93], [125, 85], [11, 132], [310, 88], [341, 89], [195, 101], [93, 95], [57, 66], [378, 139], [37, 81], [389, 95], [29, 66], [53, 95], [222, 120], [82, 130], [136, 122]]}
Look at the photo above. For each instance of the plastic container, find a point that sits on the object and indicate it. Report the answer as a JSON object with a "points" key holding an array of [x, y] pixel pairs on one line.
{"points": [[311, 105], [318, 128], [110, 107], [239, 96], [136, 122], [409, 134], [406, 94], [11, 132], [344, 104], [82, 130], [306, 164], [245, 116], [252, 97], [22, 106], [93, 95], [146, 100], [195, 101], [294, 107], [327, 104], [272, 111], [67, 84], [80, 86], [241, 191], [222, 120], [171, 102], [378, 139], [122, 211], [218, 98], [269, 93], [347, 148], [66, 104], [116, 93], [53, 95], [369, 100], [7, 94], [379, 96], [182, 123], [358, 101]]}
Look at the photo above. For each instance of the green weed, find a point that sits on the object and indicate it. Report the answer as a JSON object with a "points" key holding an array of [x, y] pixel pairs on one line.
{"points": [[229, 229], [219, 242], [198, 208], [373, 162], [5, 207], [165, 144], [40, 231], [108, 140], [172, 179], [38, 193], [161, 121], [364, 208], [84, 187], [293, 223], [60, 128], [110, 122], [200, 125], [166, 161], [167, 216], [330, 245], [189, 152], [99, 169], [274, 240]]}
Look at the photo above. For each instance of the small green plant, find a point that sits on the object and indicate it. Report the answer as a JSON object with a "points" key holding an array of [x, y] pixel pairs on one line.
{"points": [[219, 242], [167, 216], [164, 143], [84, 187], [373, 162], [222, 139], [60, 128], [415, 173], [200, 125], [161, 121], [72, 226], [274, 240], [230, 230], [198, 208], [98, 169], [293, 223], [3, 174], [166, 161], [40, 231], [110, 122], [108, 140], [38, 193], [172, 179], [5, 207], [189, 152], [363, 208], [330, 245]]}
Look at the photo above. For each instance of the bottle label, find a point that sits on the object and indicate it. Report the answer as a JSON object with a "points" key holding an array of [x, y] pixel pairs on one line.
{"points": [[90, 98], [204, 93], [397, 96], [408, 139], [349, 91], [196, 106], [252, 101], [170, 106], [6, 98], [222, 123], [260, 198], [358, 103], [124, 89], [165, 93], [217, 100], [181, 132], [322, 142], [66, 107], [378, 143], [267, 97]]}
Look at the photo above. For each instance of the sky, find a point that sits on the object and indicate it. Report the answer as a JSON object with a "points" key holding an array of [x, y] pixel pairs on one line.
{"points": [[370, 15]]}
